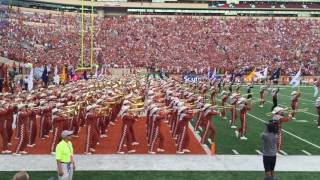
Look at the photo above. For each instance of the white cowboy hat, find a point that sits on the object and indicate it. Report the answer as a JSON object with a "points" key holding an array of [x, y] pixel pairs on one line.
{"points": [[277, 110], [294, 93]]}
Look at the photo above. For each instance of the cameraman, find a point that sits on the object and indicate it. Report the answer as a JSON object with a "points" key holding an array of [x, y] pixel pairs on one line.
{"points": [[270, 140]]}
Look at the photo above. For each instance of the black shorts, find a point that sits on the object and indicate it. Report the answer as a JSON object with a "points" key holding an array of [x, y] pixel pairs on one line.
{"points": [[269, 163]]}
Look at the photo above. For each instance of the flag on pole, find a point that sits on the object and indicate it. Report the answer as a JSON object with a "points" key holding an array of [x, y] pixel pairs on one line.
{"points": [[296, 79], [214, 73], [249, 77], [262, 74], [56, 78], [30, 79], [63, 77]]}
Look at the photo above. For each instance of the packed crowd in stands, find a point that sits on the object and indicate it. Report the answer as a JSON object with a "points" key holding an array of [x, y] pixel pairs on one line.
{"points": [[172, 43]]}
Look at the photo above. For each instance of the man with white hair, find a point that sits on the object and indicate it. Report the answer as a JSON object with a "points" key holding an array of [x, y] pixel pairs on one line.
{"points": [[279, 118], [317, 104]]}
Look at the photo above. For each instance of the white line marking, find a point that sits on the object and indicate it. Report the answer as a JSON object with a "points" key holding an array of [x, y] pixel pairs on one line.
{"points": [[258, 151], [284, 153], [300, 121], [304, 140], [235, 152], [306, 152]]}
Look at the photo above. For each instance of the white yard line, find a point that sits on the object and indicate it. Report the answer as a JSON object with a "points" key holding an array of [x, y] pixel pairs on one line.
{"points": [[258, 151], [235, 152], [304, 140], [284, 153], [306, 152]]}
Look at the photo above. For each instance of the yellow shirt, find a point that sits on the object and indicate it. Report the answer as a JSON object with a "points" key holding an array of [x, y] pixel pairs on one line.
{"points": [[64, 151]]}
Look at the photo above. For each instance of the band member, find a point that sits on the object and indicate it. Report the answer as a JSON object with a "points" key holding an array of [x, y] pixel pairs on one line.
{"points": [[243, 119], [59, 124], [32, 125], [199, 105], [3, 131], [126, 137], [22, 120], [45, 122], [279, 118], [294, 102], [318, 110], [261, 93], [233, 102], [224, 98], [213, 93], [275, 98], [92, 137], [157, 142], [249, 95], [208, 113], [185, 115]]}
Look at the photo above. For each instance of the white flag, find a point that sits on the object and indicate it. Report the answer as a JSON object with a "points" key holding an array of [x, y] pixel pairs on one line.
{"points": [[30, 79], [56, 78], [262, 74], [296, 79]]}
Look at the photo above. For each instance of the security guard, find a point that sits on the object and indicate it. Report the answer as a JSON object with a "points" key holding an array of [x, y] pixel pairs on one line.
{"points": [[64, 156]]}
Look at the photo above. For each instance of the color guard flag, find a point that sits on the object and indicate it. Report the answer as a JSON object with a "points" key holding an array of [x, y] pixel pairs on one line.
{"points": [[296, 79], [249, 77]]}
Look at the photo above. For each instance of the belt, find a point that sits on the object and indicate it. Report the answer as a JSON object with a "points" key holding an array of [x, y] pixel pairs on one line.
{"points": [[65, 162]]}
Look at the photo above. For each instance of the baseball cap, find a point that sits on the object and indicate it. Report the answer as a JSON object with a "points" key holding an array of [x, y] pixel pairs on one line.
{"points": [[66, 133]]}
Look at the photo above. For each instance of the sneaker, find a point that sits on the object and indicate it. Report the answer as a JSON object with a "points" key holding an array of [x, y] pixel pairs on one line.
{"points": [[6, 152], [237, 133], [132, 151], [200, 128], [16, 154], [186, 150], [120, 152], [53, 153], [92, 150], [180, 152], [318, 127], [103, 136], [75, 136], [261, 106], [23, 152], [160, 150], [31, 145], [224, 118], [124, 145], [233, 127], [243, 138], [135, 143], [46, 136], [98, 143], [88, 153], [294, 118]]}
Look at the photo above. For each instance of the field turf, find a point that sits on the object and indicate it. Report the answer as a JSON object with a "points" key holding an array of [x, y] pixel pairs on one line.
{"points": [[300, 136]]}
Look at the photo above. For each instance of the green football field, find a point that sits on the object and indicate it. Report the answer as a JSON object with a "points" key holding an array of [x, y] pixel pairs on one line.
{"points": [[165, 175], [300, 136]]}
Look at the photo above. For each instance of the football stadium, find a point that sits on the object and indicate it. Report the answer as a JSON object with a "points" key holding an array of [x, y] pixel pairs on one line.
{"points": [[159, 89]]}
